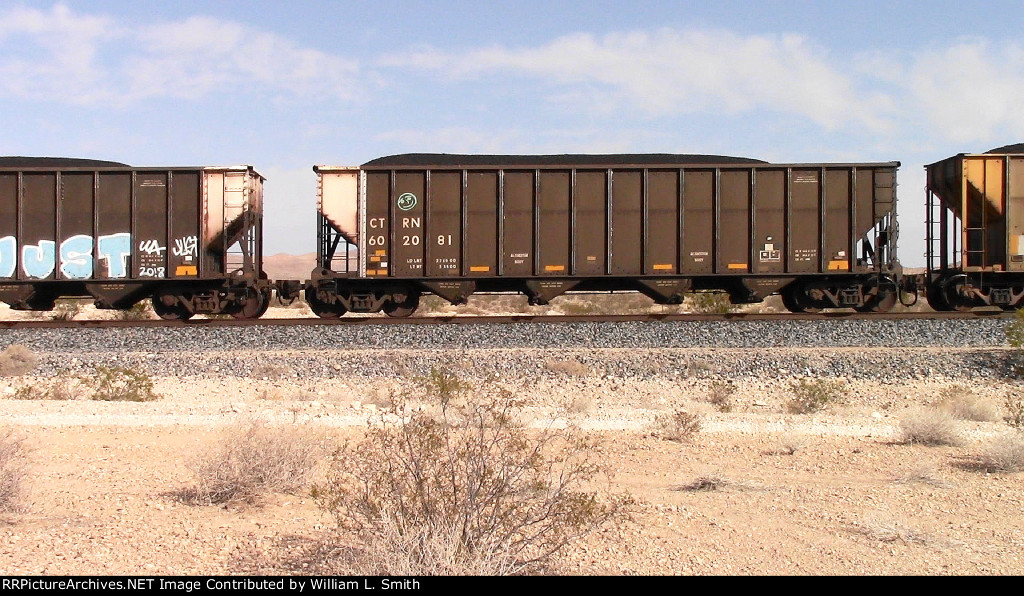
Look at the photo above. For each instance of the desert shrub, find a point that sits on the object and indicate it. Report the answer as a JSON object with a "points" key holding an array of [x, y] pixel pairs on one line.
{"points": [[709, 303], [929, 426], [64, 387], [464, 489], [16, 360], [714, 481], [140, 311], [963, 403], [720, 396], [1015, 330], [119, 383], [705, 483], [813, 395], [432, 304], [253, 460], [1005, 454], [1015, 410], [12, 471], [679, 426], [790, 443], [66, 310]]}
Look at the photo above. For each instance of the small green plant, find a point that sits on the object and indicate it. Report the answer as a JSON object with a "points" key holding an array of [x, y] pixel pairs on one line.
{"points": [[466, 490], [119, 383], [720, 395], [1015, 337], [679, 426], [442, 385], [253, 460], [16, 360], [813, 395], [12, 471], [929, 426]]}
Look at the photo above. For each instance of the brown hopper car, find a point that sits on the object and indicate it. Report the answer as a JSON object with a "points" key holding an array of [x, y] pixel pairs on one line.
{"points": [[822, 235], [189, 238], [975, 230]]}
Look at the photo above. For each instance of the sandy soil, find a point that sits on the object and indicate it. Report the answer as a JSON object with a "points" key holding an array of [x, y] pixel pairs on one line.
{"points": [[830, 493]]}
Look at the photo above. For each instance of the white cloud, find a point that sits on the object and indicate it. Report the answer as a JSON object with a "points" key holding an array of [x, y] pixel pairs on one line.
{"points": [[668, 71], [64, 56], [199, 55], [971, 91], [61, 53]]}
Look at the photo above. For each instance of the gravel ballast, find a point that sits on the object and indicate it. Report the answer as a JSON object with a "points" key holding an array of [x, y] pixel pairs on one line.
{"points": [[677, 334]]}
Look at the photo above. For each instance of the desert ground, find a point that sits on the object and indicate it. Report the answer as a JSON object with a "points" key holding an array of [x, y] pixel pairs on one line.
{"points": [[756, 490]]}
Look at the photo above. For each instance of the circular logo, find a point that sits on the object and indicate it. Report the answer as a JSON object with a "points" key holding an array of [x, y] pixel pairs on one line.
{"points": [[406, 201]]}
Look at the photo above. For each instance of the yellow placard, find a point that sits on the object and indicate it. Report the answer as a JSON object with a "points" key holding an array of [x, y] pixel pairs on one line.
{"points": [[186, 270]]}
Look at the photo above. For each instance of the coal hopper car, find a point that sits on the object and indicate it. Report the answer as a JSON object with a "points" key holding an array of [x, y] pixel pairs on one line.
{"points": [[187, 238], [975, 230], [822, 235]]}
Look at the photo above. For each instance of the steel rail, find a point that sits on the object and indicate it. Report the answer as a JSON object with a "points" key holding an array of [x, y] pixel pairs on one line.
{"points": [[502, 319]]}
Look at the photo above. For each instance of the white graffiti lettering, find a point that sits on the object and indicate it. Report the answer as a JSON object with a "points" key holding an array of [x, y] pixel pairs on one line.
{"points": [[74, 256], [151, 247], [187, 246]]}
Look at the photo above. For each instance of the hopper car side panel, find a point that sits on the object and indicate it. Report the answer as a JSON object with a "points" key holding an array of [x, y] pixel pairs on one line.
{"points": [[824, 231], [121, 234], [975, 231]]}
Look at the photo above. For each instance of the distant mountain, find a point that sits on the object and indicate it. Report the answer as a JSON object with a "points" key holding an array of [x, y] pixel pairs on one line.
{"points": [[284, 266]]}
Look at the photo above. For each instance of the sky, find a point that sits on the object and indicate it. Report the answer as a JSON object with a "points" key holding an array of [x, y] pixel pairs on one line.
{"points": [[283, 86]]}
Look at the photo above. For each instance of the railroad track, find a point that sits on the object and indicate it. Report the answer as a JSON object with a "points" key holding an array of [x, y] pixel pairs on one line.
{"points": [[501, 319]]}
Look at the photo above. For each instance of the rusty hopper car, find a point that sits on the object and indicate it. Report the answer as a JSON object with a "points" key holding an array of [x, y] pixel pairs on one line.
{"points": [[189, 238], [975, 230], [822, 235]]}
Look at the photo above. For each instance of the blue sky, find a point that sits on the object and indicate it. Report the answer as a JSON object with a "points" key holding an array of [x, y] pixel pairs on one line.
{"points": [[283, 86]]}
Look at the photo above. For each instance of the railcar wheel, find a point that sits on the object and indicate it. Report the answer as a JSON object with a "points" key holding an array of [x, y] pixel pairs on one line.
{"points": [[322, 309], [952, 295], [176, 312], [404, 308], [255, 307], [883, 300], [936, 298], [795, 300]]}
